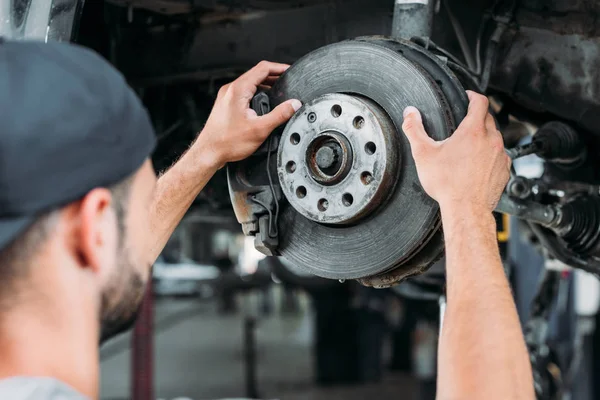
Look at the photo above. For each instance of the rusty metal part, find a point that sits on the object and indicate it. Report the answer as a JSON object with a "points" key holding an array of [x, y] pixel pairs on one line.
{"points": [[194, 46], [176, 7], [546, 215], [167, 7], [427, 256], [520, 187], [548, 71], [338, 156], [403, 234], [413, 18], [329, 157], [252, 203], [257, 208]]}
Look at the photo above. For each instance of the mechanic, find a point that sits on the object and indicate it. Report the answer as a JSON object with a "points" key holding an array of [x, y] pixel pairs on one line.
{"points": [[83, 217]]}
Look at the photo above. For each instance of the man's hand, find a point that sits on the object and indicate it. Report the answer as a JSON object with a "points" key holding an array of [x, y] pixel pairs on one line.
{"points": [[482, 353], [234, 131], [469, 169]]}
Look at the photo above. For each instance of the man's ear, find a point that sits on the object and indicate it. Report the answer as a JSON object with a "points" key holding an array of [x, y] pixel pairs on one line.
{"points": [[96, 233]]}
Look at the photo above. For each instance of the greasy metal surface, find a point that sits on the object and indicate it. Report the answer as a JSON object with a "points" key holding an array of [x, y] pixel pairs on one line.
{"points": [[427, 286], [549, 65], [520, 187], [561, 145], [174, 7], [368, 159], [417, 265], [248, 179], [398, 231], [566, 17], [547, 71], [546, 215], [168, 7], [580, 226], [242, 208], [413, 18], [241, 39], [329, 157], [39, 19]]}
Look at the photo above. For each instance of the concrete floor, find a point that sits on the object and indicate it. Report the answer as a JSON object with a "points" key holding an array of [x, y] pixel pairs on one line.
{"points": [[198, 355]]}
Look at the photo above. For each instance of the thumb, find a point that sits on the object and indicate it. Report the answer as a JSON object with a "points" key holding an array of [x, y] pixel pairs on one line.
{"points": [[280, 114], [414, 130]]}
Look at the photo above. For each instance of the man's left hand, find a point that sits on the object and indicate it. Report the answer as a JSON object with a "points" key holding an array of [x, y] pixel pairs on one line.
{"points": [[233, 130]]}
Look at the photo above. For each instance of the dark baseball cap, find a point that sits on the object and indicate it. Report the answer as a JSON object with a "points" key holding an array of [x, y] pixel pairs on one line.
{"points": [[69, 123]]}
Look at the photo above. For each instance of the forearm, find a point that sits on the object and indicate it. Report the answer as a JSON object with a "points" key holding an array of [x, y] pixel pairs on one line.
{"points": [[482, 352], [176, 190]]}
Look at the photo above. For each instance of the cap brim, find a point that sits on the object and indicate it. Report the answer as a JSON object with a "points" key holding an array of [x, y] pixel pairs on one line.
{"points": [[11, 228]]}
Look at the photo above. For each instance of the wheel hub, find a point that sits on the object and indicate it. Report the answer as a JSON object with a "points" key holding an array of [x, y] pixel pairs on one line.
{"points": [[347, 200], [336, 157]]}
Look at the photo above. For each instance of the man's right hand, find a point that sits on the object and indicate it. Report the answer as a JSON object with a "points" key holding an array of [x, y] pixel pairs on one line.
{"points": [[233, 130], [469, 169]]}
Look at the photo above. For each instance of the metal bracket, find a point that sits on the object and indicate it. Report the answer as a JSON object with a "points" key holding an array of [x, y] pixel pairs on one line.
{"points": [[263, 242], [262, 105], [536, 334]]}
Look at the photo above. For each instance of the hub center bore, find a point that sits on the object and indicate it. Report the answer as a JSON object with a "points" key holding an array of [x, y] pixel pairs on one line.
{"points": [[329, 158]]}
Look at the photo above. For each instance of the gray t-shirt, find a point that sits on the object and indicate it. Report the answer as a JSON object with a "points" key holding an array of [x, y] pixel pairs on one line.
{"points": [[34, 388]]}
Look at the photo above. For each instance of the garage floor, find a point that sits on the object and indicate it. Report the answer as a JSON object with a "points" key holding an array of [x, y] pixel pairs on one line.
{"points": [[198, 355]]}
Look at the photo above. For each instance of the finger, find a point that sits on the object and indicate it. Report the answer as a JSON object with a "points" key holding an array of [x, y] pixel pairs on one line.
{"points": [[264, 69], [245, 86], [223, 90], [506, 176], [509, 163], [414, 130], [264, 88], [478, 109], [490, 124], [270, 80], [279, 115]]}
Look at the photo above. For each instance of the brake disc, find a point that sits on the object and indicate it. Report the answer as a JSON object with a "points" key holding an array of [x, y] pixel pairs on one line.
{"points": [[350, 202]]}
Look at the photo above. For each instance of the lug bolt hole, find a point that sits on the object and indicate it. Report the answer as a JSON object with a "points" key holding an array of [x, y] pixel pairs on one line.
{"points": [[295, 138], [312, 117], [358, 122], [366, 178], [290, 167], [370, 148], [323, 205], [301, 192], [336, 110], [347, 199]]}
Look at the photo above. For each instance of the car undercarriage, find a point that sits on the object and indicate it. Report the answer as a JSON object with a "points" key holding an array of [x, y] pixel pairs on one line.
{"points": [[335, 191]]}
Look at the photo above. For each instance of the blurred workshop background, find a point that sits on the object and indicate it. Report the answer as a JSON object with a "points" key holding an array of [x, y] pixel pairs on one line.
{"points": [[224, 321]]}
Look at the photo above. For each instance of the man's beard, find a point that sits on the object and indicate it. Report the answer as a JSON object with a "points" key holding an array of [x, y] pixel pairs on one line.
{"points": [[121, 299]]}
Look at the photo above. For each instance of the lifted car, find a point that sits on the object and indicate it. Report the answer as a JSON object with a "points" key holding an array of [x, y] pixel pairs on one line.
{"points": [[335, 191]]}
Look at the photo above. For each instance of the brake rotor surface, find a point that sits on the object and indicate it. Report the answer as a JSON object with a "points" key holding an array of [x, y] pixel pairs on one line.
{"points": [[356, 209]]}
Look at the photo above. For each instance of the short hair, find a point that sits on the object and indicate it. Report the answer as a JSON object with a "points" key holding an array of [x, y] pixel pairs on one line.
{"points": [[16, 257]]}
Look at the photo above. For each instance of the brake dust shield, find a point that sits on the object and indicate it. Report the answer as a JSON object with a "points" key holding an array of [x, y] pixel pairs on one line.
{"points": [[340, 196]]}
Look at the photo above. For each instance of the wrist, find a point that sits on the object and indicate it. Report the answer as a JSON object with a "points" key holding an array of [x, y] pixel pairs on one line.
{"points": [[452, 211], [465, 207], [205, 153]]}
